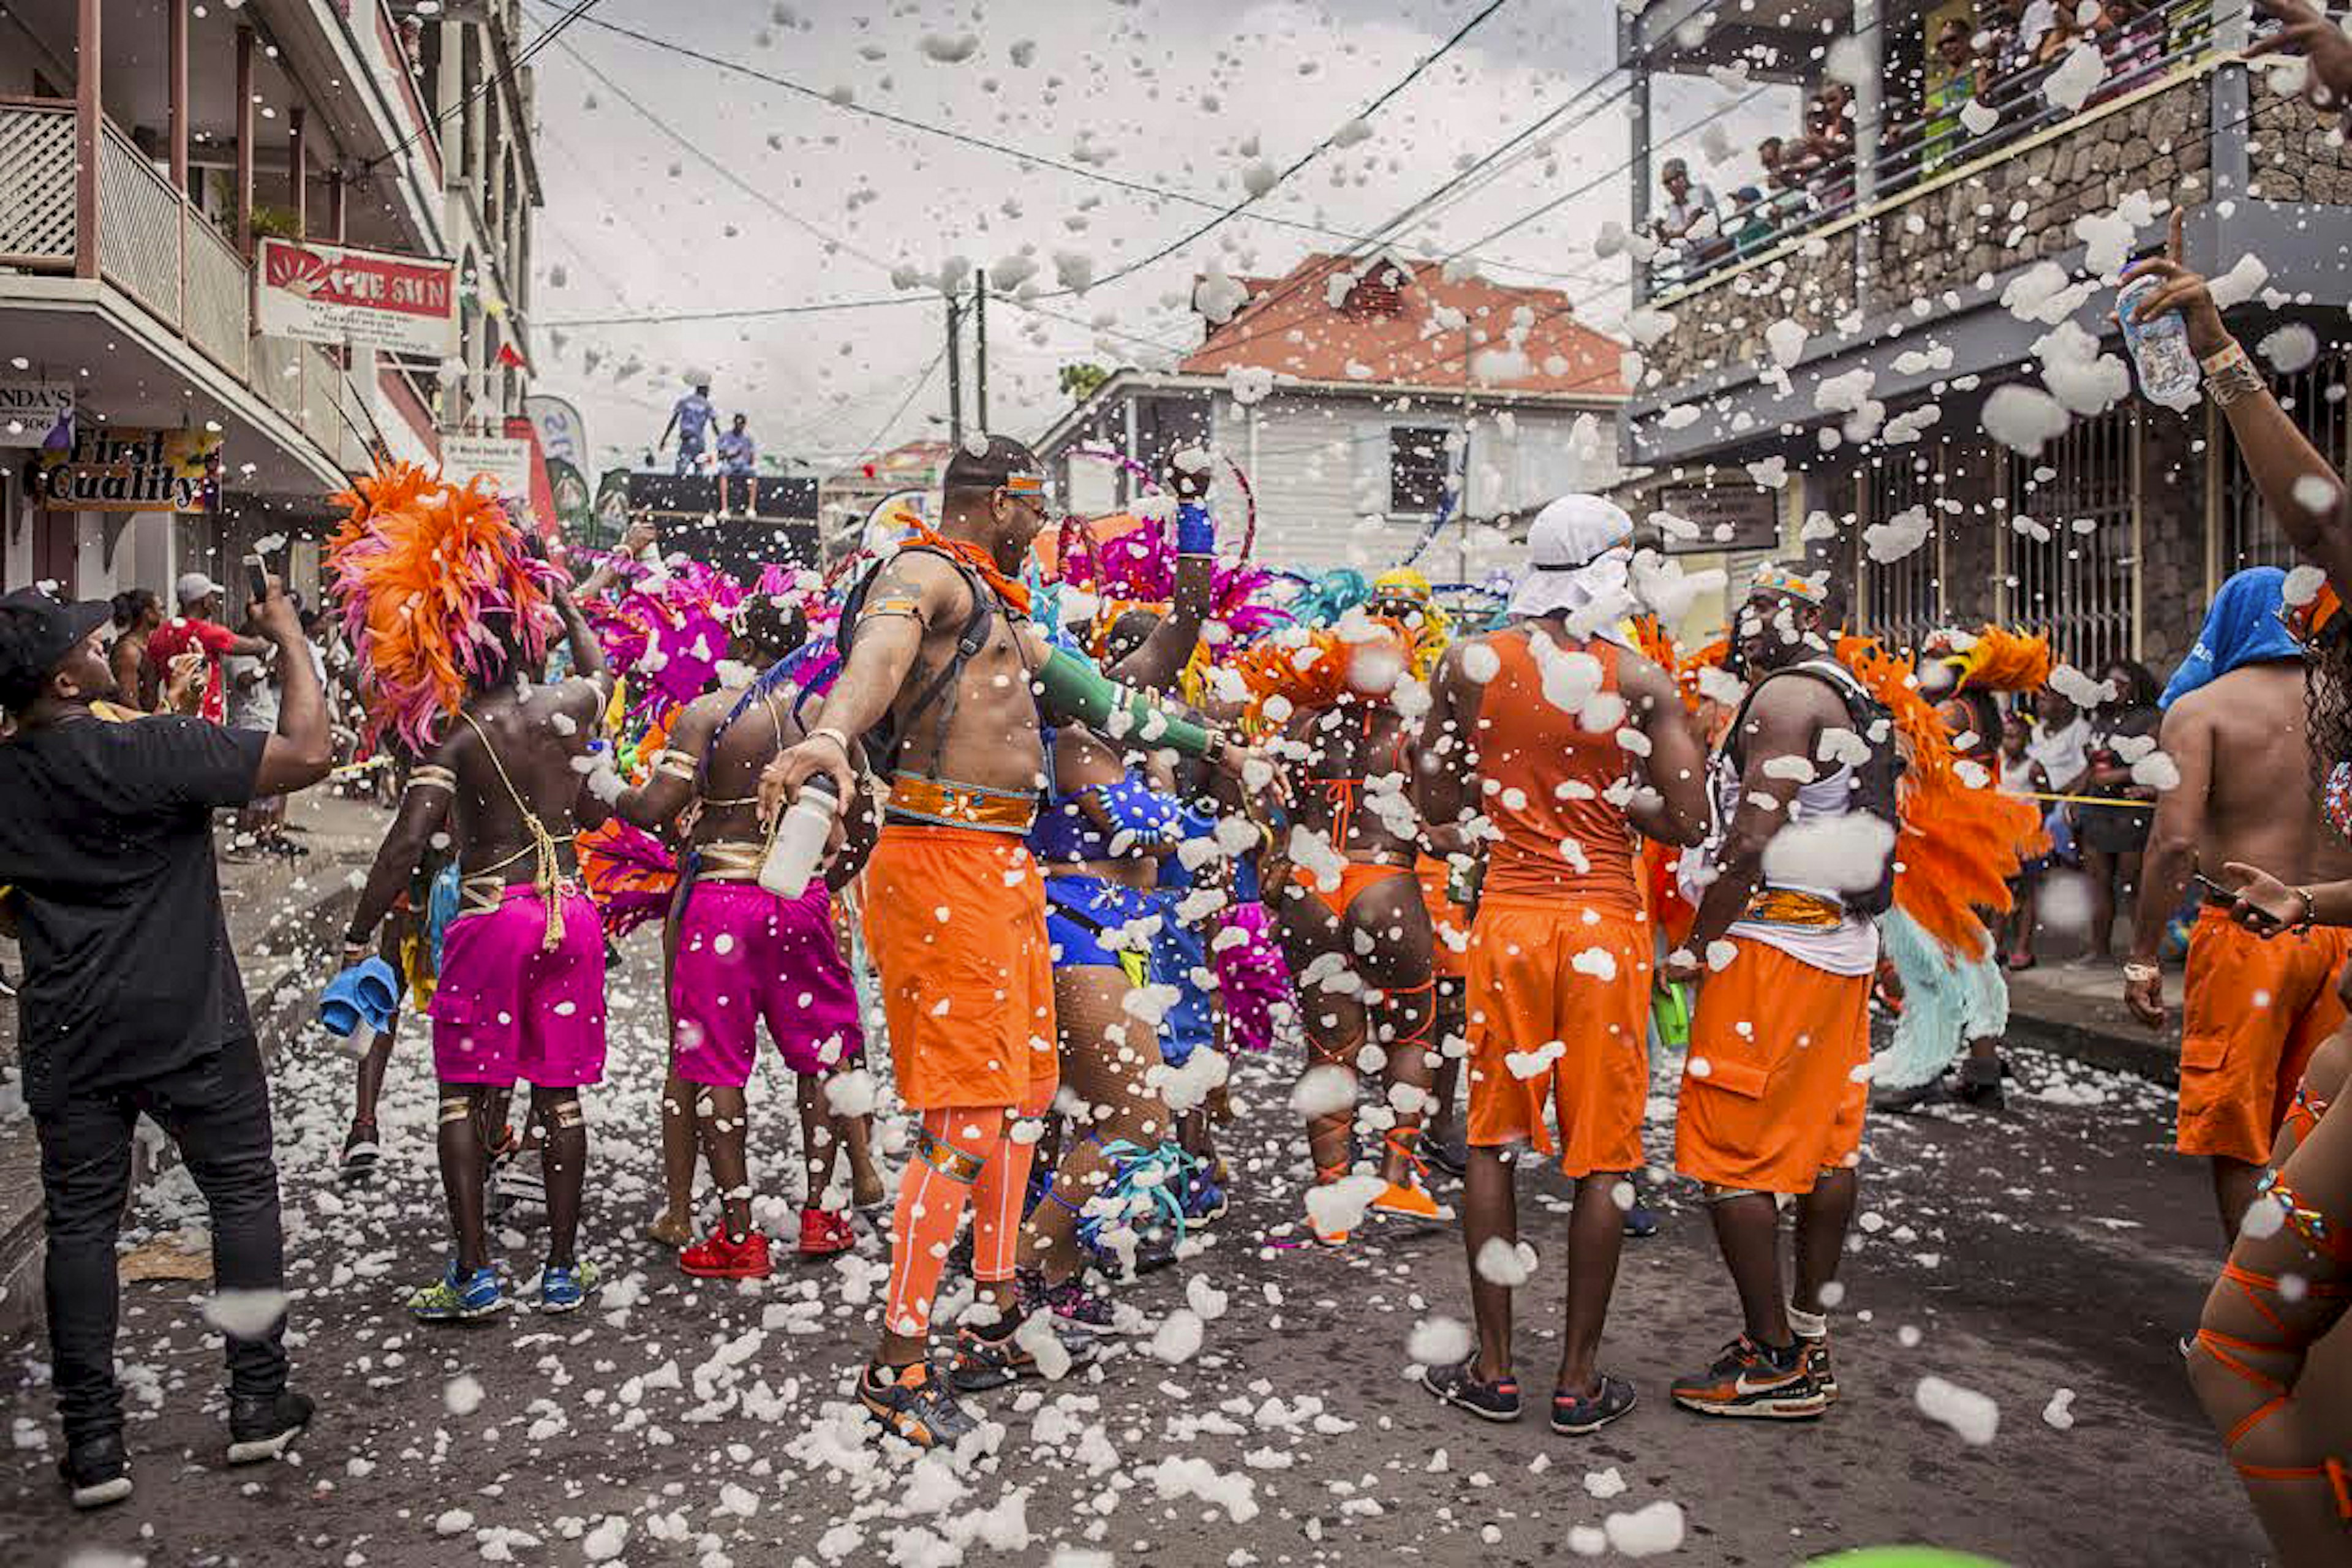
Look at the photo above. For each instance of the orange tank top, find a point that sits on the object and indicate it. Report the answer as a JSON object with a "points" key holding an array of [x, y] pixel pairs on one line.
{"points": [[1543, 779]]}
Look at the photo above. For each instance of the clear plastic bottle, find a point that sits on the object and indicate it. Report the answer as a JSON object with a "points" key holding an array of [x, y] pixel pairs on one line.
{"points": [[799, 838], [2158, 347]]}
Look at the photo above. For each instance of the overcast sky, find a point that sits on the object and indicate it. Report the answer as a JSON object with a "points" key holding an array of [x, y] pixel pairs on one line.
{"points": [[1185, 97]]}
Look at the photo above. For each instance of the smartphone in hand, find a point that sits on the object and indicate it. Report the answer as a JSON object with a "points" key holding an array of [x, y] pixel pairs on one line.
{"points": [[256, 578]]}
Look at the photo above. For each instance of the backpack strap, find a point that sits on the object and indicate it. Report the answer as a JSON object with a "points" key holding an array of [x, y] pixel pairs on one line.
{"points": [[945, 685]]}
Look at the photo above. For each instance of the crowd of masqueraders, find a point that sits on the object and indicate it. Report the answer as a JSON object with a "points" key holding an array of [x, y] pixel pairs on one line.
{"points": [[1088, 835]]}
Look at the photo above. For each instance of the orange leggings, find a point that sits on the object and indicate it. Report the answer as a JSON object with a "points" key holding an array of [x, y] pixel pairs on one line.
{"points": [[962, 1156]]}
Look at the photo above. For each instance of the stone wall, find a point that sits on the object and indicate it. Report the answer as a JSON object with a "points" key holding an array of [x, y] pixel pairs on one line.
{"points": [[2016, 211], [2293, 154]]}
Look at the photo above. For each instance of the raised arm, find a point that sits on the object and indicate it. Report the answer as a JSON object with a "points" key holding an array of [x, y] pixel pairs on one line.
{"points": [[2186, 738], [1671, 806], [1156, 664], [303, 749], [2299, 486], [587, 653], [423, 808], [672, 786]]}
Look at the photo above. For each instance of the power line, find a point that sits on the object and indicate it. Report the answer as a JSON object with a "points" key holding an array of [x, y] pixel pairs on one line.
{"points": [[523, 57], [747, 314], [1022, 154]]}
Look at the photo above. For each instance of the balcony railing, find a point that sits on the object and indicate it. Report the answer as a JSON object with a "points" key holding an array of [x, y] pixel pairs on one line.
{"points": [[159, 251], [2150, 52]]}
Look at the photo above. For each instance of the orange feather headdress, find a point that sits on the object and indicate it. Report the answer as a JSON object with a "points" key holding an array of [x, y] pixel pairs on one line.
{"points": [[422, 568]]}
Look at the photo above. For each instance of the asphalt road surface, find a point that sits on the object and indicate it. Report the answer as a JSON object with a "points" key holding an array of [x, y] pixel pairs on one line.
{"points": [[2046, 1258]]}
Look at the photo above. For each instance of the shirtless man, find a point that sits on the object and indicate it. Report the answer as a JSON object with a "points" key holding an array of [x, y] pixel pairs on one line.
{"points": [[141, 612], [1559, 955], [1356, 930], [521, 987], [745, 955], [1772, 1096], [942, 655], [2255, 1006]]}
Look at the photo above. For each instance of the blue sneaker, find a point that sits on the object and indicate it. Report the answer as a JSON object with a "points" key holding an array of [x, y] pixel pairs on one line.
{"points": [[459, 1297], [564, 1290]]}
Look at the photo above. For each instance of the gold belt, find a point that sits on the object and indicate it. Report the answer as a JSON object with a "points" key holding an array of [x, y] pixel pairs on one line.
{"points": [[946, 804], [485, 891], [1784, 906], [729, 860]]}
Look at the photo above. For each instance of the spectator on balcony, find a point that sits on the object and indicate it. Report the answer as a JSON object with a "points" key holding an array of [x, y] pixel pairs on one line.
{"points": [[1953, 89], [1688, 228], [1823, 157], [1750, 221], [2070, 24], [2134, 42]]}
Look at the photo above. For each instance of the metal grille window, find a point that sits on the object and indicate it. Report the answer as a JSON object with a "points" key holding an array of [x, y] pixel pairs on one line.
{"points": [[2073, 571], [2313, 397], [1417, 470], [1902, 600]]}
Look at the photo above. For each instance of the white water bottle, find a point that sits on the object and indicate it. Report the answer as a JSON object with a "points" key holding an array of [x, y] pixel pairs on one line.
{"points": [[799, 838]]}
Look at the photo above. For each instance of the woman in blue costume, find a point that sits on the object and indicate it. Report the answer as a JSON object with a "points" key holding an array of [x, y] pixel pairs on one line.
{"points": [[1098, 842]]}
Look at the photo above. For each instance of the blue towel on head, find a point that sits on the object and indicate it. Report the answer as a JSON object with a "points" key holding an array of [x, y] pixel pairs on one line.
{"points": [[2242, 627]]}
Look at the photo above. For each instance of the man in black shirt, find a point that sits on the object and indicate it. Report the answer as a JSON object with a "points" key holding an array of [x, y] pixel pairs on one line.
{"points": [[132, 1003]]}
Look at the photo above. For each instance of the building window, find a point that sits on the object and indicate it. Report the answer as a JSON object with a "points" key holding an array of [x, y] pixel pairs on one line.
{"points": [[1418, 470], [2072, 568]]}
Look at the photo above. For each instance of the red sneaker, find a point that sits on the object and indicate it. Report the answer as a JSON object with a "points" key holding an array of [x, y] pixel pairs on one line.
{"points": [[824, 1234], [716, 1258]]}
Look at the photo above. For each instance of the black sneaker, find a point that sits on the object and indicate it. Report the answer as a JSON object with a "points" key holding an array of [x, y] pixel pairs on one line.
{"points": [[1817, 1362], [1460, 1386], [984, 1361], [1446, 1152], [1979, 1084], [263, 1426], [1754, 1381], [96, 1471], [1641, 1219], [1073, 1302], [1937, 1091], [915, 1403], [1578, 1415]]}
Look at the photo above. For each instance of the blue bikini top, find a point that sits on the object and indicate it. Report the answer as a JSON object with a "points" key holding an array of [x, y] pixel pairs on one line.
{"points": [[1146, 820]]}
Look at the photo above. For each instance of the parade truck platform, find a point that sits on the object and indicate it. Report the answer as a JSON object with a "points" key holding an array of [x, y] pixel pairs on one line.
{"points": [[768, 518]]}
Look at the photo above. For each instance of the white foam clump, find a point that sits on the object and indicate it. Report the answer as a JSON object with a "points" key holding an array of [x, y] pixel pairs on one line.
{"points": [[2107, 236], [851, 1093], [2076, 78], [1976, 116], [1217, 297], [1181, 1475], [1602, 1485], [2083, 379], [950, 49], [2158, 771], [1438, 1341], [1973, 1416], [1785, 339], [2023, 418], [462, 1394], [2303, 585], [1846, 853], [1648, 325], [1337, 1206], [2289, 348], [2239, 284], [1649, 1531], [2078, 688], [2042, 293], [1205, 1298], [605, 1543], [1899, 535], [1188, 1088], [2059, 1413], [1179, 1337], [1325, 1090], [1508, 1264], [245, 1314]]}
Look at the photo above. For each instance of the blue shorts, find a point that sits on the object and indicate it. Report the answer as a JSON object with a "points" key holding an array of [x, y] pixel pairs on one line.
{"points": [[1180, 957], [1082, 912]]}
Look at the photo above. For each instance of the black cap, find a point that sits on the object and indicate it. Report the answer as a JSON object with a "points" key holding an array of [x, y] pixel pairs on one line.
{"points": [[37, 632]]}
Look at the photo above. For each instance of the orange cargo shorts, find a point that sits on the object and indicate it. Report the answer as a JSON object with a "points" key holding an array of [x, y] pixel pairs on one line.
{"points": [[2253, 1010], [1770, 1095], [955, 922], [1558, 1012]]}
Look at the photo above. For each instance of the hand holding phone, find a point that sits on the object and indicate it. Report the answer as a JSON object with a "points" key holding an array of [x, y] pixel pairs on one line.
{"points": [[256, 578]]}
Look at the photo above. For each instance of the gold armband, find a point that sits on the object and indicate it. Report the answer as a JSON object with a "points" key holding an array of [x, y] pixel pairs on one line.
{"points": [[676, 765], [431, 776]]}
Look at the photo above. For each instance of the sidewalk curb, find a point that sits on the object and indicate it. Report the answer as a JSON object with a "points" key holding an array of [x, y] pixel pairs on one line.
{"points": [[2148, 1056]]}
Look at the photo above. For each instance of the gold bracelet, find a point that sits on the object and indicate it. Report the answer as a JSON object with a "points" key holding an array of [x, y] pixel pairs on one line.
{"points": [[2230, 374]]}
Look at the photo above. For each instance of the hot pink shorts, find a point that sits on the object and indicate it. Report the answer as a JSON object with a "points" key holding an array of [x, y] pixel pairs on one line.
{"points": [[506, 1010], [745, 954]]}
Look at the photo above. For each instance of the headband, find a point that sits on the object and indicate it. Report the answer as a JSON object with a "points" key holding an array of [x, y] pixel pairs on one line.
{"points": [[1024, 484], [1777, 579]]}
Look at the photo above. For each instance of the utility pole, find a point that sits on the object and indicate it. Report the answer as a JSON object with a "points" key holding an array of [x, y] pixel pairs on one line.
{"points": [[955, 371], [980, 344]]}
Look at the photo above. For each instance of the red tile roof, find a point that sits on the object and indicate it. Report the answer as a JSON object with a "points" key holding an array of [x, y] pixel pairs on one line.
{"points": [[1291, 327]]}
